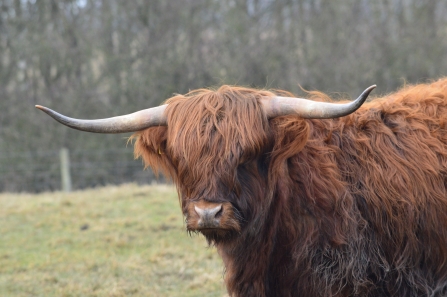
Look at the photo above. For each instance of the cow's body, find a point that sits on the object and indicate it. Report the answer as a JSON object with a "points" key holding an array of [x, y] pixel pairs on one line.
{"points": [[354, 206]]}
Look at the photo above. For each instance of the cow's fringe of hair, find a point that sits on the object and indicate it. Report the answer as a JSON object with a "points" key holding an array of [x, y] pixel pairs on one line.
{"points": [[355, 206]]}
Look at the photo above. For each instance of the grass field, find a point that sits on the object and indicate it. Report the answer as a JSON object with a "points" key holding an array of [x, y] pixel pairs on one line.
{"points": [[113, 241]]}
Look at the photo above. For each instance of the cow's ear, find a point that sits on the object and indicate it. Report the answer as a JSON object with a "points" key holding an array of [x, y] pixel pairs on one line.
{"points": [[150, 145]]}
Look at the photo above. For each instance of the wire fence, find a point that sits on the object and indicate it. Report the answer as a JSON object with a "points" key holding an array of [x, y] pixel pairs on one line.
{"points": [[38, 171]]}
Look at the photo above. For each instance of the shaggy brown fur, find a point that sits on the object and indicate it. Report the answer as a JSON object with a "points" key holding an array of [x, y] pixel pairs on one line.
{"points": [[355, 206]]}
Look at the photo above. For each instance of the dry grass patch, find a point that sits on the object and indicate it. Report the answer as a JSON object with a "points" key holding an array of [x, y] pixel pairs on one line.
{"points": [[112, 241]]}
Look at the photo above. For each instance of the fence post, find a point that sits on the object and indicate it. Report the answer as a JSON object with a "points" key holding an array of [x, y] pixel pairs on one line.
{"points": [[65, 170]]}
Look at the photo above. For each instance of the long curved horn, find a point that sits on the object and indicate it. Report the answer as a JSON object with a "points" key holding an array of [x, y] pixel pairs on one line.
{"points": [[308, 109], [121, 124]]}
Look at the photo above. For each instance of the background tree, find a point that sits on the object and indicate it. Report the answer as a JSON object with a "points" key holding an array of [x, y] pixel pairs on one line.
{"points": [[99, 58]]}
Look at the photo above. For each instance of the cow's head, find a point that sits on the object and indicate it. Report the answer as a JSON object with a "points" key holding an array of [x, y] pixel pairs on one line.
{"points": [[215, 145]]}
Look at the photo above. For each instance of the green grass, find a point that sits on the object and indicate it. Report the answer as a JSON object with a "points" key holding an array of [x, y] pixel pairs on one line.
{"points": [[113, 241]]}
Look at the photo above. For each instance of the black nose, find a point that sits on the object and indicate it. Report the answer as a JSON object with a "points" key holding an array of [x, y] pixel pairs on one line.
{"points": [[209, 217]]}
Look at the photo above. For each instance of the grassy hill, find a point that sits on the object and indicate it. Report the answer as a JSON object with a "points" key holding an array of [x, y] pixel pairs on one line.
{"points": [[113, 241]]}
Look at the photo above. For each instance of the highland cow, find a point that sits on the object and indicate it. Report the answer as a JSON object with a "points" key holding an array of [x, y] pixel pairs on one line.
{"points": [[302, 197]]}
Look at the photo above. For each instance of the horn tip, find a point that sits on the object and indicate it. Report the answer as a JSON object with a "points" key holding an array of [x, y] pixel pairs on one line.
{"points": [[44, 109], [368, 90]]}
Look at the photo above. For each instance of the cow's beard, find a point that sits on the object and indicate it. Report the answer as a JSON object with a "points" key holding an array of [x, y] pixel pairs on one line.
{"points": [[216, 236]]}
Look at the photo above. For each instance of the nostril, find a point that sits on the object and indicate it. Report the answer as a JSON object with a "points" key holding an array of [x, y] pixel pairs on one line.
{"points": [[199, 211], [219, 213], [213, 212]]}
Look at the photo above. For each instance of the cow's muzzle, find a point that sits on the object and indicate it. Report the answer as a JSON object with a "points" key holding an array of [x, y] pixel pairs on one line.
{"points": [[208, 217]]}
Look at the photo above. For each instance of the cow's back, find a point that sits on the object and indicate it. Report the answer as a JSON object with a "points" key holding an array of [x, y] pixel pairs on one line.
{"points": [[388, 162]]}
